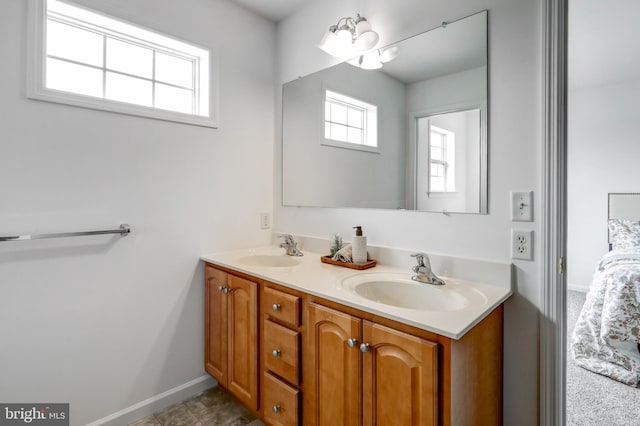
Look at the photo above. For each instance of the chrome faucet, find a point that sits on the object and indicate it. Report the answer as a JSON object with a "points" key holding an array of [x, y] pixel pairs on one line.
{"points": [[423, 271], [290, 245]]}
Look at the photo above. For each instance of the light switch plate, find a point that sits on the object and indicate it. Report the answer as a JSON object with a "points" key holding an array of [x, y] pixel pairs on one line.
{"points": [[265, 221], [522, 206]]}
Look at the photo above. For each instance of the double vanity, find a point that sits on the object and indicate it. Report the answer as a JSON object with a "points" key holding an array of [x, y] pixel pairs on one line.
{"points": [[299, 341]]}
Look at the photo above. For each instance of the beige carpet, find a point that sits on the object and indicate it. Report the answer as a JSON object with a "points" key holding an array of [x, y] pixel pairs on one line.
{"points": [[593, 399]]}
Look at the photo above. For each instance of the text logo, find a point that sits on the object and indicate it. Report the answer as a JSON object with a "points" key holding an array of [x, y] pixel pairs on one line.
{"points": [[34, 414]]}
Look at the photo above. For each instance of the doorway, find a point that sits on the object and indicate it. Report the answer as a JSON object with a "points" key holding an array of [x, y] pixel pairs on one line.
{"points": [[603, 123]]}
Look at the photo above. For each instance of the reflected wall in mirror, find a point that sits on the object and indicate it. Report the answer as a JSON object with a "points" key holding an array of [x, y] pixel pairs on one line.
{"points": [[410, 135]]}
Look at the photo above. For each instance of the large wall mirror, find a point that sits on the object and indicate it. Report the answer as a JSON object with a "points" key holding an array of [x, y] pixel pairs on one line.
{"points": [[409, 135]]}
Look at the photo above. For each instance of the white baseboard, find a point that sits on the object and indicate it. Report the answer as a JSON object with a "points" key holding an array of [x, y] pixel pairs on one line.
{"points": [[157, 402], [580, 288]]}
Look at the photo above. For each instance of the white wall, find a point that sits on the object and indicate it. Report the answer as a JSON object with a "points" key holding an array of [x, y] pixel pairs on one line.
{"points": [[100, 322], [515, 64], [603, 152]]}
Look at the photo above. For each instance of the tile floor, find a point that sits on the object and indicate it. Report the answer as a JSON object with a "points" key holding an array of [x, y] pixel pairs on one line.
{"points": [[212, 407]]}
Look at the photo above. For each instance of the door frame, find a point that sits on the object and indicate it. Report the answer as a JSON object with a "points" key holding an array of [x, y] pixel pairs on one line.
{"points": [[553, 215]]}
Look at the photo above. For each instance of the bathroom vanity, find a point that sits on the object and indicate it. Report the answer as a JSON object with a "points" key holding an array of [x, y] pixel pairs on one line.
{"points": [[291, 340]]}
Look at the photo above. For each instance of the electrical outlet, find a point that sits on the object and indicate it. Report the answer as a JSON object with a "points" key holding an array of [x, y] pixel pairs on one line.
{"points": [[522, 244], [522, 206], [265, 221]]}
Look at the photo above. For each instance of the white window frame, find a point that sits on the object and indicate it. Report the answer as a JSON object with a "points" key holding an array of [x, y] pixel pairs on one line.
{"points": [[448, 163], [36, 74], [370, 124]]}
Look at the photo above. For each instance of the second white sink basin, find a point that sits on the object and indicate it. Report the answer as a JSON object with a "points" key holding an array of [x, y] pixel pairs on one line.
{"points": [[269, 260], [401, 291]]}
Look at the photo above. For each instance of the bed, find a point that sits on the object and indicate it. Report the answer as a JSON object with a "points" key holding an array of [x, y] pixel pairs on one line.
{"points": [[606, 338]]}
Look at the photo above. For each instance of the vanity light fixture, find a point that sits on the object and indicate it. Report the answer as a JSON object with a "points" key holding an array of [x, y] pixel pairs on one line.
{"points": [[349, 37]]}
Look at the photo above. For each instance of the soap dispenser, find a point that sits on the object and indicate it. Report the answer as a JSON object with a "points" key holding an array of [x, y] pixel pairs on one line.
{"points": [[359, 247]]}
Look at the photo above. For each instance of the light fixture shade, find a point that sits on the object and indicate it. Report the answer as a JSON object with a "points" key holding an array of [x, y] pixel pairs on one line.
{"points": [[388, 54], [327, 42], [362, 26], [366, 40], [337, 44], [370, 61]]}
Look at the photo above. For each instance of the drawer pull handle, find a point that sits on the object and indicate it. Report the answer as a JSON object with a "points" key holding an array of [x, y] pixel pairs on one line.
{"points": [[276, 408], [276, 307], [352, 343], [365, 347], [276, 353]]}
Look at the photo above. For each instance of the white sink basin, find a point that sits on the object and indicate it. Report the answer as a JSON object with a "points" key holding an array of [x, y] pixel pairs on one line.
{"points": [[401, 291], [269, 260]]}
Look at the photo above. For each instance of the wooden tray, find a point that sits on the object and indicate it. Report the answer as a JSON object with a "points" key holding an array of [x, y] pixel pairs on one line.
{"points": [[370, 263]]}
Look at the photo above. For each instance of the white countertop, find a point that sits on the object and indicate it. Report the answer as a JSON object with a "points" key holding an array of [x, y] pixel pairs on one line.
{"points": [[312, 276]]}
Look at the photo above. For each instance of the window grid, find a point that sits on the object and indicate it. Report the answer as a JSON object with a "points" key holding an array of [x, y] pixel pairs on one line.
{"points": [[439, 166], [332, 123], [110, 34]]}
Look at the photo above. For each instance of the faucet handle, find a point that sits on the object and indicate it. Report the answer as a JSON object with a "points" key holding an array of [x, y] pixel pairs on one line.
{"points": [[288, 238], [422, 259]]}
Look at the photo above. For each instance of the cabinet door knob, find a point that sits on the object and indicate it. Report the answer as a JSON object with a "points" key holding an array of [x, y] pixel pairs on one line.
{"points": [[352, 343], [220, 288], [276, 307], [226, 290], [364, 347], [276, 353], [276, 408]]}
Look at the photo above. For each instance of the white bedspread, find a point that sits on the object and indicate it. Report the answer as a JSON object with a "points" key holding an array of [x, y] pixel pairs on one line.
{"points": [[607, 332]]}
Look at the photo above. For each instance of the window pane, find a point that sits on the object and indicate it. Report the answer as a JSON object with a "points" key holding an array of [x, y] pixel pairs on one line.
{"points": [[354, 135], [62, 75], [174, 99], [355, 118], [128, 89], [72, 43], [173, 70], [338, 132], [437, 184], [339, 113], [437, 170], [436, 154], [327, 111], [129, 58]]}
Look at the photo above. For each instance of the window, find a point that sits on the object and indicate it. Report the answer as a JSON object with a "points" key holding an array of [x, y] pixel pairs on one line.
{"points": [[84, 58], [441, 160], [350, 121]]}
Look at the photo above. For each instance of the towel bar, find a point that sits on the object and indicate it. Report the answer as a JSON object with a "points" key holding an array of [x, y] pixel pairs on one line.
{"points": [[123, 230]]}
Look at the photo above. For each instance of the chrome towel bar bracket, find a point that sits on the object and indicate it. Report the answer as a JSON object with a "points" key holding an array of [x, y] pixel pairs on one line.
{"points": [[123, 230]]}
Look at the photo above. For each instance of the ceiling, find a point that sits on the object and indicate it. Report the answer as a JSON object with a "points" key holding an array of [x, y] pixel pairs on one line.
{"points": [[274, 10]]}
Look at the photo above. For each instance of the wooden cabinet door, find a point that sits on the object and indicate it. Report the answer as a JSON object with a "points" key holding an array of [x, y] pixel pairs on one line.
{"points": [[242, 367], [332, 370], [400, 386], [215, 325]]}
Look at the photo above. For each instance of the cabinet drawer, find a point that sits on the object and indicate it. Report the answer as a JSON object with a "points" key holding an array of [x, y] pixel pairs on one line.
{"points": [[280, 402], [282, 351], [282, 306]]}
